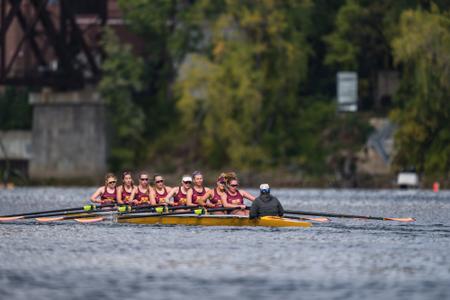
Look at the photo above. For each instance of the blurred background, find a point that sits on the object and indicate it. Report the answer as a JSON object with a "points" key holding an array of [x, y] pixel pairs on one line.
{"points": [[299, 93]]}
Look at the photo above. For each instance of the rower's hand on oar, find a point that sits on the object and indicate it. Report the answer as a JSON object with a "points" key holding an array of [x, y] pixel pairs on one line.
{"points": [[106, 202], [242, 206]]}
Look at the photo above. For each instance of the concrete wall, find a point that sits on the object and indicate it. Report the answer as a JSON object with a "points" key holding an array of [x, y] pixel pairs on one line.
{"points": [[16, 144], [68, 135]]}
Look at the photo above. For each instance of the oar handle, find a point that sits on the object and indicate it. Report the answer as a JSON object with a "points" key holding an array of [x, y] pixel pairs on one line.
{"points": [[153, 208], [191, 210]]}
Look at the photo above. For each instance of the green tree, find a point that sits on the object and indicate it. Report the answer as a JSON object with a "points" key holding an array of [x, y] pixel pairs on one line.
{"points": [[122, 78], [361, 40], [238, 99], [423, 50], [15, 111]]}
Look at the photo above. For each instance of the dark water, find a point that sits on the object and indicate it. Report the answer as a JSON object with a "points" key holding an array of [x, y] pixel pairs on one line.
{"points": [[345, 259]]}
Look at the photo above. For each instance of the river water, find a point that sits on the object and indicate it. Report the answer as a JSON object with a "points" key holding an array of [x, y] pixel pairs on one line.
{"points": [[343, 259]]}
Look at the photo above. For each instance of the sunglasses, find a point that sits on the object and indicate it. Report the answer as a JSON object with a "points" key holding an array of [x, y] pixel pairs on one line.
{"points": [[144, 179], [187, 182], [221, 182], [159, 181], [234, 185], [111, 182]]}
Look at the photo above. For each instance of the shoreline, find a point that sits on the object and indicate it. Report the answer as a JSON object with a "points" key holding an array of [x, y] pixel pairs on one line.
{"points": [[276, 179]]}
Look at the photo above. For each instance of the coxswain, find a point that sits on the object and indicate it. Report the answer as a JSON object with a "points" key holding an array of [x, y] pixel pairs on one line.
{"points": [[126, 191], [106, 194], [179, 193], [235, 197], [198, 190], [143, 191], [160, 190], [214, 198], [265, 204]]}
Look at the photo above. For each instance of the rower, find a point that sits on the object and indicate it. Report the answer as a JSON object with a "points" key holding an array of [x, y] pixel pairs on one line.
{"points": [[235, 197], [214, 198], [179, 193], [265, 204], [106, 194], [126, 191], [198, 190], [143, 191], [160, 190]]}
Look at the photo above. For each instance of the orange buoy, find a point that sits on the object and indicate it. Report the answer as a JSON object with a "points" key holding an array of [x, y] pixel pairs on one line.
{"points": [[436, 187]]}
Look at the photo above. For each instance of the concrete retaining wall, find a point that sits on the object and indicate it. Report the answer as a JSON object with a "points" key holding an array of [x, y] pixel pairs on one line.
{"points": [[68, 135], [15, 145]]}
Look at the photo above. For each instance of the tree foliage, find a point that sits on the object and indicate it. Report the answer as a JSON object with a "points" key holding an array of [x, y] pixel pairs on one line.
{"points": [[239, 98], [122, 78], [248, 84], [423, 49], [225, 83], [15, 111]]}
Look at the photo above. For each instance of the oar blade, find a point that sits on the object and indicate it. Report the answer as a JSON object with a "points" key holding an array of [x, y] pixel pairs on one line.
{"points": [[49, 219], [317, 219], [89, 220], [8, 219], [401, 219], [312, 219]]}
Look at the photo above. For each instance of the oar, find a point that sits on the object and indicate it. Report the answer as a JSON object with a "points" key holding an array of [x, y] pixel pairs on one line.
{"points": [[55, 216], [303, 218], [197, 211], [160, 208], [93, 216], [127, 210], [318, 219], [74, 215], [88, 207], [331, 215]]}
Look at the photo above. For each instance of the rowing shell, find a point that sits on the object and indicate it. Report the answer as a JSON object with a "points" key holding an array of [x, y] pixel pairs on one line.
{"points": [[213, 220]]}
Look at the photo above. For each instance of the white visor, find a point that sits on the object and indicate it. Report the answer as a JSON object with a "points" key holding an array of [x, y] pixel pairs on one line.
{"points": [[264, 186], [187, 178]]}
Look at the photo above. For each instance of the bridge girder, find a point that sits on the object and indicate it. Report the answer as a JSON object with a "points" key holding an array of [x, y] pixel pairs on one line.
{"points": [[42, 43]]}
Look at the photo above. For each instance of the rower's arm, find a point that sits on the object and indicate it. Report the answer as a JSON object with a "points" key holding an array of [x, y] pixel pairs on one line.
{"points": [[132, 200], [171, 193], [203, 199], [98, 192], [133, 194], [152, 196], [189, 198], [223, 199], [247, 195], [167, 198], [119, 195], [226, 204]]}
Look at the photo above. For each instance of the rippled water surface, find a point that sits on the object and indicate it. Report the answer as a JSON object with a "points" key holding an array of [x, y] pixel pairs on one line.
{"points": [[343, 259]]}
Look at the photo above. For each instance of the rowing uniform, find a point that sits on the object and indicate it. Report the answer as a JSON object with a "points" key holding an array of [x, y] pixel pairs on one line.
{"points": [[126, 196], [180, 198], [216, 200], [159, 196], [196, 195], [142, 197], [235, 199], [107, 197]]}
